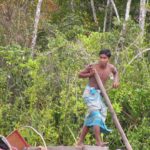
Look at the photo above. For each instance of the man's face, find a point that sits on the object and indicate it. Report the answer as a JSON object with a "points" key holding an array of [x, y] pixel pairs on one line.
{"points": [[103, 59]]}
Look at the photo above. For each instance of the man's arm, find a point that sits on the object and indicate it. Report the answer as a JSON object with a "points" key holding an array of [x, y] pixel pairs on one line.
{"points": [[116, 77], [88, 72]]}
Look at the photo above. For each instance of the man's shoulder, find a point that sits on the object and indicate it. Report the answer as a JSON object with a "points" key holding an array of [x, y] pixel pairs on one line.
{"points": [[111, 65]]}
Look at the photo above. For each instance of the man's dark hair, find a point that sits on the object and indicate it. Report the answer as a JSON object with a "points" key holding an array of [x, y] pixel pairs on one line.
{"points": [[106, 52]]}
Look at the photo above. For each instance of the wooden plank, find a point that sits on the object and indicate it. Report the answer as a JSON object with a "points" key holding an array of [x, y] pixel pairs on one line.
{"points": [[86, 147], [62, 148], [54, 148]]}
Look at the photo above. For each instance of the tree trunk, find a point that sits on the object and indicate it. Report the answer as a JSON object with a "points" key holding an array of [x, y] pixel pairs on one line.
{"points": [[113, 114], [127, 14], [94, 12], [106, 14], [72, 5], [121, 40], [110, 18], [142, 16], [115, 9], [36, 21], [128, 10]]}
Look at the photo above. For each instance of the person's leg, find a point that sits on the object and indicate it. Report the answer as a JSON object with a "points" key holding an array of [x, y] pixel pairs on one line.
{"points": [[97, 136], [84, 131]]}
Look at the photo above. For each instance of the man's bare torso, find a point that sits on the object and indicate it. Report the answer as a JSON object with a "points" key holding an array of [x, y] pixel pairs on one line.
{"points": [[104, 74]]}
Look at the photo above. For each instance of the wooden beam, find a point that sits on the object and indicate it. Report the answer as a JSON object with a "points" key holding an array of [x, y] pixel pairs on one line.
{"points": [[86, 147]]}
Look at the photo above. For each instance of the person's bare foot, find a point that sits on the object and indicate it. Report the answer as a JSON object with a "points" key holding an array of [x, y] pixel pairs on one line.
{"points": [[102, 144], [79, 145]]}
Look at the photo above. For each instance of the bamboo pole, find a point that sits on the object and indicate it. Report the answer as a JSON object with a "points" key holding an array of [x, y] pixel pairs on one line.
{"points": [[113, 114]]}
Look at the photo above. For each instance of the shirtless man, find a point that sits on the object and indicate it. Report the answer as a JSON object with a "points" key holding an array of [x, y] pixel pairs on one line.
{"points": [[97, 109]]}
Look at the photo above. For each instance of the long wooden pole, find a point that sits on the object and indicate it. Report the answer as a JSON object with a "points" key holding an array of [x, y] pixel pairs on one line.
{"points": [[113, 114]]}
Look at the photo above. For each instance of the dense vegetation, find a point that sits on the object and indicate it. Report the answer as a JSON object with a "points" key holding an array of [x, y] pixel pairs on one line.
{"points": [[44, 91]]}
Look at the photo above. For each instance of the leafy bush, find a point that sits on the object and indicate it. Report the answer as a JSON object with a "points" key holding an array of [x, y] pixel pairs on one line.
{"points": [[45, 92]]}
